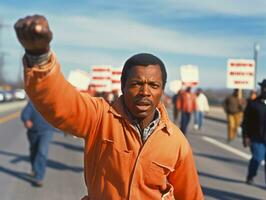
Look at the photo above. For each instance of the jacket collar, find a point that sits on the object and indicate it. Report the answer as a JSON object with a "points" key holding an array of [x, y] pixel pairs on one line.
{"points": [[119, 110]]}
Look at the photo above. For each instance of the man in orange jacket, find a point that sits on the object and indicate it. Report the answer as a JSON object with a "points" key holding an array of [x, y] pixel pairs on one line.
{"points": [[186, 103], [132, 149]]}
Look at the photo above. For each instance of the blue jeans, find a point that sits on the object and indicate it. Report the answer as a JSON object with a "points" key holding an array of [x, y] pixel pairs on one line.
{"points": [[39, 145], [258, 150], [198, 118], [185, 118]]}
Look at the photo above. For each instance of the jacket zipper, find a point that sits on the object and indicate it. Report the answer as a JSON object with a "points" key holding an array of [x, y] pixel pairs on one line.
{"points": [[135, 163], [140, 150]]}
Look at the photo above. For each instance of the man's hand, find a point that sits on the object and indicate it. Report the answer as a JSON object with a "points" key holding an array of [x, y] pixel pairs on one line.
{"points": [[34, 34], [246, 142], [28, 124]]}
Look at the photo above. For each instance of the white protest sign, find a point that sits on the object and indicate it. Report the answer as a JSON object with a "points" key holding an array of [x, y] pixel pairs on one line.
{"points": [[240, 73], [116, 76], [175, 86], [101, 78], [79, 79], [189, 75]]}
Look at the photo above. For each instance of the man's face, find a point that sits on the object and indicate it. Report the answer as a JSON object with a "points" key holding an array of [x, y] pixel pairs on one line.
{"points": [[143, 91]]}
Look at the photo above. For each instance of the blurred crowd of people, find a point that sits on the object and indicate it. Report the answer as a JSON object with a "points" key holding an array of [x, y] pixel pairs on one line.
{"points": [[254, 131], [188, 103], [246, 117], [110, 96]]}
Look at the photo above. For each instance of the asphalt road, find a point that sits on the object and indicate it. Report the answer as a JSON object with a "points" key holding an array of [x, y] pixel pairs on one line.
{"points": [[64, 176], [222, 167]]}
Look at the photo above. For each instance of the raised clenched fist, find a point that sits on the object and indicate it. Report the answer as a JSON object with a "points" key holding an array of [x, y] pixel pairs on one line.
{"points": [[34, 34]]}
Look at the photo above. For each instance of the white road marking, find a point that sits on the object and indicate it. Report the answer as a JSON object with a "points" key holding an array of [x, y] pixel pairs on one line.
{"points": [[228, 148]]}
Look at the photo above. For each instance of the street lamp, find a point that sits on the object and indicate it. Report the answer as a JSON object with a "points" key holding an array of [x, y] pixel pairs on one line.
{"points": [[256, 51]]}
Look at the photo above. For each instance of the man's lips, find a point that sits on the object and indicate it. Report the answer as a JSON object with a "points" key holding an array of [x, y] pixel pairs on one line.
{"points": [[143, 104]]}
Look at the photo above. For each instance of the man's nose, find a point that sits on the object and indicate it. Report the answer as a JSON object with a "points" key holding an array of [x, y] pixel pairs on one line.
{"points": [[144, 90]]}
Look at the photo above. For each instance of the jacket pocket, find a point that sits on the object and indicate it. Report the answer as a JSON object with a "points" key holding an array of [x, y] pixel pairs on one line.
{"points": [[156, 175], [115, 163]]}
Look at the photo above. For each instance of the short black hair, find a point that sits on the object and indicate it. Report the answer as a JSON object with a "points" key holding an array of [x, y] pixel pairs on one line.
{"points": [[142, 59], [262, 83]]}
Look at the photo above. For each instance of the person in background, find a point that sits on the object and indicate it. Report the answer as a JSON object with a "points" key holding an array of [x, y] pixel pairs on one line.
{"points": [[175, 111], [186, 103], [39, 133], [233, 106], [202, 106], [254, 132], [116, 95], [92, 90], [252, 95], [132, 149], [166, 100]]}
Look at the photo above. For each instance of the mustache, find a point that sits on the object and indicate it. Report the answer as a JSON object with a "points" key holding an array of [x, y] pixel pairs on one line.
{"points": [[142, 100]]}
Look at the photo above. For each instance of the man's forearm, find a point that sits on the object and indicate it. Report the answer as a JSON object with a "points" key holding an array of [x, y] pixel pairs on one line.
{"points": [[56, 99]]}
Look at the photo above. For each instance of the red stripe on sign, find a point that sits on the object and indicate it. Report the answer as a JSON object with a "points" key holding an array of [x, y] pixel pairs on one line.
{"points": [[100, 78], [100, 70], [241, 65], [116, 81], [237, 73], [116, 72], [98, 85], [241, 82], [241, 73]]}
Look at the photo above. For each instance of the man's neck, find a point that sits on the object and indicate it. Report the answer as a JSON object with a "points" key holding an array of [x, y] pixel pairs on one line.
{"points": [[143, 123]]}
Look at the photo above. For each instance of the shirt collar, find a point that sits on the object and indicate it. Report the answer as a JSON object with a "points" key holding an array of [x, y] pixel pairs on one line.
{"points": [[119, 109], [147, 131]]}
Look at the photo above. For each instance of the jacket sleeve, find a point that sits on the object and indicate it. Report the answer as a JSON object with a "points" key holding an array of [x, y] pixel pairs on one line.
{"points": [[206, 104], [246, 117], [194, 104], [59, 102], [185, 178], [179, 101], [26, 113], [225, 105]]}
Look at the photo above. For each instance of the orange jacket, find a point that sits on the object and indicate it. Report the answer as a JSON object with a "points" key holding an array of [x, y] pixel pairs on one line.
{"points": [[116, 163], [186, 102]]}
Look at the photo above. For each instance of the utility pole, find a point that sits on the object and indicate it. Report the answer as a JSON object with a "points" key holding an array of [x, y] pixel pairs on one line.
{"points": [[2, 81], [256, 52]]}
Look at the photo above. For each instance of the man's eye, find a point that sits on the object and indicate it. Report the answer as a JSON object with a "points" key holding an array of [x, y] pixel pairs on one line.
{"points": [[154, 86], [135, 84]]}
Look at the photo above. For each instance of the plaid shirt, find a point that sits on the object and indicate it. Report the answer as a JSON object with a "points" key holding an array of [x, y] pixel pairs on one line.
{"points": [[146, 132]]}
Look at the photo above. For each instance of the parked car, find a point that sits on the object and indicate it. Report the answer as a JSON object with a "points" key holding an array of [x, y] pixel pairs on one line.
{"points": [[5, 96], [2, 96], [19, 94], [8, 96]]}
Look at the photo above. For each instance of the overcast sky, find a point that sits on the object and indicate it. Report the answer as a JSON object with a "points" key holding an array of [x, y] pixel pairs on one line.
{"points": [[94, 32]]}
